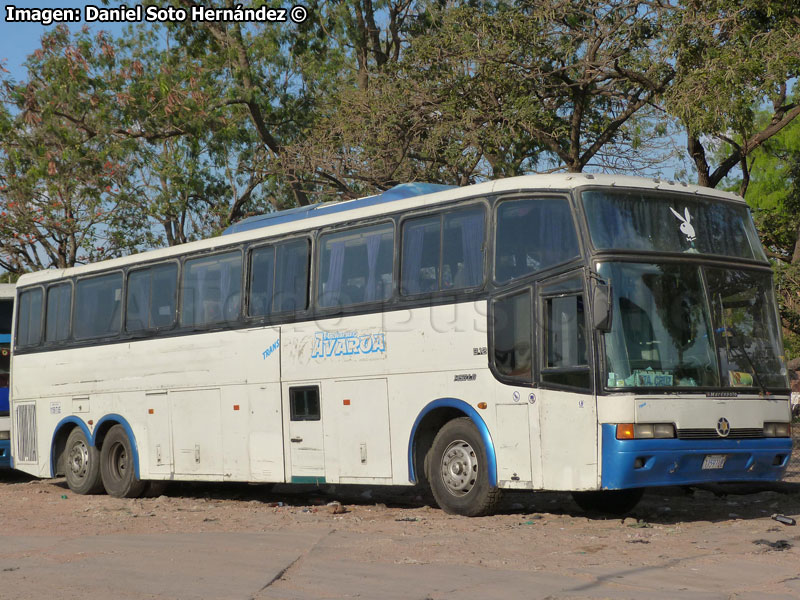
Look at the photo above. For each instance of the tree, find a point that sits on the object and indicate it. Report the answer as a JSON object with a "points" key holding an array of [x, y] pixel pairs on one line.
{"points": [[485, 93], [732, 56], [774, 194], [63, 187]]}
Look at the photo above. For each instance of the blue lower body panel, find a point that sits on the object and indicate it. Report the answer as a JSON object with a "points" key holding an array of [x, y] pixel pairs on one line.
{"points": [[5, 454], [644, 463]]}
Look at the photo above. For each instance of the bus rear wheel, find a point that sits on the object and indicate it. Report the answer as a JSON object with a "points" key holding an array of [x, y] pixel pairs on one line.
{"points": [[82, 464], [117, 465], [459, 471], [610, 502]]}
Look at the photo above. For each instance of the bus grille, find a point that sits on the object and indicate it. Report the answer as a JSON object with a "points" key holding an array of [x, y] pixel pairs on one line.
{"points": [[711, 434], [26, 433]]}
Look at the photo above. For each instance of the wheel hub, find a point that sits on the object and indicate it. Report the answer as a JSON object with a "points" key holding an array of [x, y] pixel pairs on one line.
{"points": [[78, 459], [459, 468]]}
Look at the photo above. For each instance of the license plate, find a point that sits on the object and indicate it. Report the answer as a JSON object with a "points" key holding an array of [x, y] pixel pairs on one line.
{"points": [[714, 461]]}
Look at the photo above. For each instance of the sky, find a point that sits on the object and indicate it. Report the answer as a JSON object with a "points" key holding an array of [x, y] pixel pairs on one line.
{"points": [[18, 40]]}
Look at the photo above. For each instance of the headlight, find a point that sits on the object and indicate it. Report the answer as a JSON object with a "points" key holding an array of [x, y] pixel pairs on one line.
{"points": [[777, 430], [645, 431]]}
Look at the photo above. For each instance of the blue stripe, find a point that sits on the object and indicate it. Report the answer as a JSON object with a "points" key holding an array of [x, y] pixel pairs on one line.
{"points": [[4, 407], [61, 423], [131, 437], [5, 338], [91, 437], [483, 430], [680, 462]]}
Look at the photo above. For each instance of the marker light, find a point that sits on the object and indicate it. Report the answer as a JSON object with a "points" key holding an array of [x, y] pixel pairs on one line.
{"points": [[5, 435]]}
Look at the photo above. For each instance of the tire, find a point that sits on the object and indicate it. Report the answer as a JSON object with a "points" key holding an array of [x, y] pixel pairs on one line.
{"points": [[609, 502], [117, 465], [82, 464], [458, 471]]}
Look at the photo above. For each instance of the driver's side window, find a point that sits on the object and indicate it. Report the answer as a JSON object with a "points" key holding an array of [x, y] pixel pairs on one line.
{"points": [[512, 321]]}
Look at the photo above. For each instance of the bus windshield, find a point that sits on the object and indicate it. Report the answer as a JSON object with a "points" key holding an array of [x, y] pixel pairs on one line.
{"points": [[645, 220], [686, 326]]}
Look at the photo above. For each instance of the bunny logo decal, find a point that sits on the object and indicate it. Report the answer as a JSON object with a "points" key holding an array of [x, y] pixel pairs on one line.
{"points": [[686, 223]]}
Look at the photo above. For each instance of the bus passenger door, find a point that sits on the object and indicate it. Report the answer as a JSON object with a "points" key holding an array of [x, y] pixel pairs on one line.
{"points": [[306, 449], [567, 407]]}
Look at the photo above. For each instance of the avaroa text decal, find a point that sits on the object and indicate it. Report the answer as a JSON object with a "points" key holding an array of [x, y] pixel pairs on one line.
{"points": [[722, 394], [347, 343]]}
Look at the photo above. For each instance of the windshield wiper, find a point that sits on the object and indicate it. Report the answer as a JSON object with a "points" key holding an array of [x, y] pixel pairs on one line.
{"points": [[740, 347]]}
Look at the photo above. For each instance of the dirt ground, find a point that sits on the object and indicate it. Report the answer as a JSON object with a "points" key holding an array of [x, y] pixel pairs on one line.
{"points": [[692, 542]]}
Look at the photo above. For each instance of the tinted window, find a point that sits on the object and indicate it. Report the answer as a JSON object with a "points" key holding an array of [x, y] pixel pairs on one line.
{"points": [[660, 222], [304, 404], [6, 309], [98, 306], [262, 281], [443, 252], [282, 285], [566, 333], [420, 261], [566, 361], [462, 249], [29, 320], [356, 266], [211, 289], [151, 298], [59, 304], [291, 276], [512, 320], [533, 234]]}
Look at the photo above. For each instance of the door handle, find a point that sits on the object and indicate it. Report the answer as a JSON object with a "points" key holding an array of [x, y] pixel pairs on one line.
{"points": [[297, 439]]}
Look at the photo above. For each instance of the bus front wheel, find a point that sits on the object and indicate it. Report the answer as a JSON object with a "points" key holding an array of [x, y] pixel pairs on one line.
{"points": [[458, 471], [117, 465], [82, 464]]}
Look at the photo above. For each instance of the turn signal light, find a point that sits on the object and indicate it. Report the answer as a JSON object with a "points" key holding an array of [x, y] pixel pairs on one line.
{"points": [[625, 431]]}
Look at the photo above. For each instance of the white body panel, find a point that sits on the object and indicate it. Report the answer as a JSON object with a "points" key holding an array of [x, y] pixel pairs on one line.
{"points": [[216, 405]]}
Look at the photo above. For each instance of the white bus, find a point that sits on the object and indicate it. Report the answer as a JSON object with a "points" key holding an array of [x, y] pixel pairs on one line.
{"points": [[590, 333]]}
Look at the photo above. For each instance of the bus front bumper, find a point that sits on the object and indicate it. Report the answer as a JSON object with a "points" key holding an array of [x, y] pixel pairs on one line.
{"points": [[664, 462]]}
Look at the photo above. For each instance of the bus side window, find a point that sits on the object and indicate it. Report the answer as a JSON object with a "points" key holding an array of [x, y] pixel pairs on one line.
{"points": [[262, 280], [355, 265], [533, 234], [304, 403], [98, 302], [291, 276], [443, 252], [565, 352], [151, 298], [29, 318], [59, 308], [210, 291], [511, 325]]}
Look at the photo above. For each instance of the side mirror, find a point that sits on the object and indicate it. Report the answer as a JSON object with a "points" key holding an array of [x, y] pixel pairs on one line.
{"points": [[602, 305]]}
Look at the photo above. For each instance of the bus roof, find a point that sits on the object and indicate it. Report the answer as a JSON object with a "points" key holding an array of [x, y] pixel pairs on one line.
{"points": [[7, 290], [399, 198]]}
